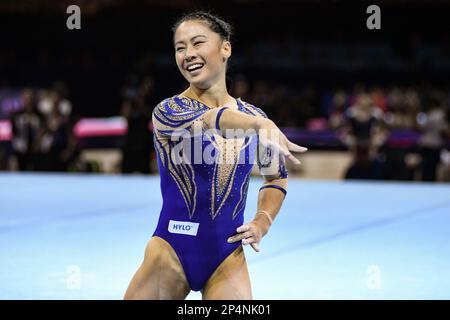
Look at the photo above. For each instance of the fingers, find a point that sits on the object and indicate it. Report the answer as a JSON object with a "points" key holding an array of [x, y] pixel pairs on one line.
{"points": [[286, 148], [255, 246], [251, 241], [243, 228], [240, 236], [248, 241], [280, 147], [244, 231], [293, 159], [286, 154], [296, 148], [247, 236], [292, 146], [283, 146]]}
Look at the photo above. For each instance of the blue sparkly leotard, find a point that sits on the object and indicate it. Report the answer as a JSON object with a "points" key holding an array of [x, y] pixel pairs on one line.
{"points": [[203, 201]]}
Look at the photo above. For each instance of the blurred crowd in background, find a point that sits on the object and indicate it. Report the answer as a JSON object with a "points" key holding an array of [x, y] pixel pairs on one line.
{"points": [[361, 117], [315, 79]]}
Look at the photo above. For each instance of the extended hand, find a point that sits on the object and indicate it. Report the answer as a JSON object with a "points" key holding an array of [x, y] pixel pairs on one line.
{"points": [[271, 135]]}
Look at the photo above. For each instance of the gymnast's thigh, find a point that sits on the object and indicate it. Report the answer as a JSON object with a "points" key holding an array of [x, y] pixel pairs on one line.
{"points": [[160, 276], [230, 281]]}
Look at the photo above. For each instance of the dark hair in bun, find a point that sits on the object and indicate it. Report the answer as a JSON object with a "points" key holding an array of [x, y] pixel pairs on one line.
{"points": [[216, 24]]}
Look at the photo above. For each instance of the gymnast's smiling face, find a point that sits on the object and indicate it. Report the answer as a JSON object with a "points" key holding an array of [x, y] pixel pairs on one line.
{"points": [[201, 54]]}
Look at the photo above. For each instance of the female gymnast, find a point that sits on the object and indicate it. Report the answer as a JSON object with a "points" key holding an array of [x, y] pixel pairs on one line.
{"points": [[197, 244]]}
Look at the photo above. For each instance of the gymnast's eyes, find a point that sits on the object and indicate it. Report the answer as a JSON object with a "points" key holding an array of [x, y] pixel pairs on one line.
{"points": [[196, 44]]}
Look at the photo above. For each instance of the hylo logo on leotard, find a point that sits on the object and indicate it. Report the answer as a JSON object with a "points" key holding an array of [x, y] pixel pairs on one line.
{"points": [[182, 227]]}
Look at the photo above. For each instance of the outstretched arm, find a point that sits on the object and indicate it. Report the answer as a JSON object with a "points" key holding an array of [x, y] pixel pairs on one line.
{"points": [[225, 119], [171, 116]]}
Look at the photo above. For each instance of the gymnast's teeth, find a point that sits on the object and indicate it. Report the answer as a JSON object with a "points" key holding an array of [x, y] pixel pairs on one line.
{"points": [[194, 67]]}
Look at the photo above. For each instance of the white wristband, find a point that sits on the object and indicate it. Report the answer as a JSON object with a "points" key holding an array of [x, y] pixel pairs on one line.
{"points": [[266, 214]]}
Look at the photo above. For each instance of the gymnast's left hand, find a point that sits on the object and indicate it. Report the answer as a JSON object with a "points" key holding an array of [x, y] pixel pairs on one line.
{"points": [[251, 233]]}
